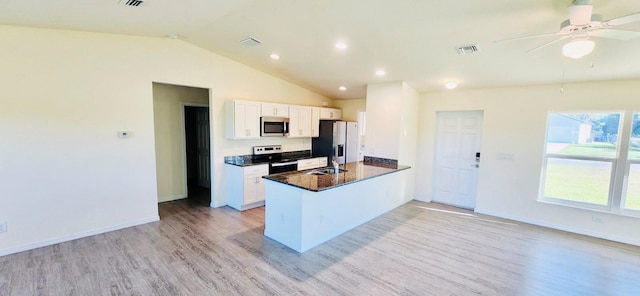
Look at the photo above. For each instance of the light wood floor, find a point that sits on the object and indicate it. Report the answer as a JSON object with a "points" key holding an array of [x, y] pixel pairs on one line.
{"points": [[417, 249]]}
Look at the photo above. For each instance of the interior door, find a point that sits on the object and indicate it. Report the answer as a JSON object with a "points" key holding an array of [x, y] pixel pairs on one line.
{"points": [[457, 158], [203, 144]]}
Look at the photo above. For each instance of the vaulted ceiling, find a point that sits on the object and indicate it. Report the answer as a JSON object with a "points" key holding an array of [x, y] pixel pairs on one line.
{"points": [[412, 40]]}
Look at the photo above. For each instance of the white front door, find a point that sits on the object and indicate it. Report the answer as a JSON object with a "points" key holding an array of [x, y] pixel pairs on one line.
{"points": [[457, 158]]}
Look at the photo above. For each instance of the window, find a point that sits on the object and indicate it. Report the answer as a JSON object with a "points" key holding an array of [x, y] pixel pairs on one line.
{"points": [[590, 163]]}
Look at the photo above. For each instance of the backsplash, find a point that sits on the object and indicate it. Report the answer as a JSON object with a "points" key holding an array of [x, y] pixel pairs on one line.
{"points": [[380, 160]]}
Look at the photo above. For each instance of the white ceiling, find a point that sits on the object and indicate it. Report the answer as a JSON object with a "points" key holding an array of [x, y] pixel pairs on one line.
{"points": [[413, 40]]}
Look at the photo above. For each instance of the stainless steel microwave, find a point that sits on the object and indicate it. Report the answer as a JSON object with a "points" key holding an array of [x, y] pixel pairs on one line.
{"points": [[274, 126]]}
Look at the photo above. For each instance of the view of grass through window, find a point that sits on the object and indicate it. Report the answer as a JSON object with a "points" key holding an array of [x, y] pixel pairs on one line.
{"points": [[581, 151], [578, 180]]}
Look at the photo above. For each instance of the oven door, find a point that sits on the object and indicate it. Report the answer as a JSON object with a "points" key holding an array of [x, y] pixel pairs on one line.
{"points": [[273, 127], [281, 167]]}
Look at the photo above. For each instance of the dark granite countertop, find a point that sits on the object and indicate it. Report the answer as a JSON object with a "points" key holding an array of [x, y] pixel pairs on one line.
{"points": [[355, 172], [243, 161], [247, 160]]}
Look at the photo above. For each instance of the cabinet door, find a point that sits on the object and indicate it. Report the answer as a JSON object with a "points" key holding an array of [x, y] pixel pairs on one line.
{"points": [[315, 122], [299, 121], [259, 189], [330, 114], [246, 120], [274, 110], [304, 123], [250, 186]]}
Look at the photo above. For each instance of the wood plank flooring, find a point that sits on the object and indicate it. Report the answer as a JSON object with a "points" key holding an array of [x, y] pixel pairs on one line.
{"points": [[417, 249]]}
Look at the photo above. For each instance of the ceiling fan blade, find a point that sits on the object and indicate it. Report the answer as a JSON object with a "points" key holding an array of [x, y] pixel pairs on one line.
{"points": [[580, 15], [549, 43], [622, 20], [527, 37], [615, 34]]}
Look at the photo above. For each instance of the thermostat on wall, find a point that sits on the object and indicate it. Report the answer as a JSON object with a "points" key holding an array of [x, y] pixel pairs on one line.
{"points": [[124, 134]]}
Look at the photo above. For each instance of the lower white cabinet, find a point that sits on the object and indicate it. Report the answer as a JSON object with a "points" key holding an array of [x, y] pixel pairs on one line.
{"points": [[312, 163], [245, 186]]}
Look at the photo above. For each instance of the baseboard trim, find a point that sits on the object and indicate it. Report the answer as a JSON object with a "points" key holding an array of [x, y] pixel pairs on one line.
{"points": [[581, 231], [74, 236], [171, 198]]}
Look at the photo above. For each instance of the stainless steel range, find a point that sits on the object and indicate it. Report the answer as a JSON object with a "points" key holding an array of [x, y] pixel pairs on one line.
{"points": [[273, 155]]}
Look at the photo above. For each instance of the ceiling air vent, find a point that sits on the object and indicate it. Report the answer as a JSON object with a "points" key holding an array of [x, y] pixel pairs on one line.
{"points": [[250, 41], [131, 2], [468, 49]]}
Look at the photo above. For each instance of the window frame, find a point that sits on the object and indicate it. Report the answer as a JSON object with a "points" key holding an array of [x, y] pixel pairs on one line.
{"points": [[620, 167]]}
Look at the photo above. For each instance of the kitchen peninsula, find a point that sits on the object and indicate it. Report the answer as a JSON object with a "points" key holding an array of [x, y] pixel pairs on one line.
{"points": [[306, 208]]}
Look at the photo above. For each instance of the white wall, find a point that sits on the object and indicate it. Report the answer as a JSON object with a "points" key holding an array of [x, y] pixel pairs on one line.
{"points": [[384, 111], [515, 122], [169, 133], [392, 121], [350, 108], [65, 94], [408, 128]]}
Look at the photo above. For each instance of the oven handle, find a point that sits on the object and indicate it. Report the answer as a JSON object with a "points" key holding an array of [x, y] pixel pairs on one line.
{"points": [[279, 164]]}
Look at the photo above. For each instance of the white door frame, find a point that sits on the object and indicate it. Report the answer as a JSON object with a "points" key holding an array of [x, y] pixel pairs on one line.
{"points": [[436, 162], [183, 147]]}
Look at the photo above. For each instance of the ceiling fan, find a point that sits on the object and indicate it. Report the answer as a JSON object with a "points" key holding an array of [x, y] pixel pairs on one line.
{"points": [[581, 26]]}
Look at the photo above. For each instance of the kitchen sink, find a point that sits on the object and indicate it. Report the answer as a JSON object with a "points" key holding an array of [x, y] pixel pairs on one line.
{"points": [[324, 171]]}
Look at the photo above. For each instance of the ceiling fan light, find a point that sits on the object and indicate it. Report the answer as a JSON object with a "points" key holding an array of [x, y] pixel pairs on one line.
{"points": [[578, 48]]}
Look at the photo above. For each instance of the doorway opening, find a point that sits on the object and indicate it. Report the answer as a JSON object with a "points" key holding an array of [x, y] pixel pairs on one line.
{"points": [[197, 153], [182, 141]]}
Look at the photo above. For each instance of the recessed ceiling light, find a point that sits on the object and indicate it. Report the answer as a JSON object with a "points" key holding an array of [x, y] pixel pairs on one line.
{"points": [[274, 56], [342, 88], [381, 72], [341, 45], [451, 84], [173, 36]]}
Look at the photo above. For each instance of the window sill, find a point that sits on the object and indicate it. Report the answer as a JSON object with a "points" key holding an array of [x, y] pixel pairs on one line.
{"points": [[590, 207]]}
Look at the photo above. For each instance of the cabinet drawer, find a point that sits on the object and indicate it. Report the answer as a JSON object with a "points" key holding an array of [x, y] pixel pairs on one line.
{"points": [[262, 169], [322, 162], [306, 164]]}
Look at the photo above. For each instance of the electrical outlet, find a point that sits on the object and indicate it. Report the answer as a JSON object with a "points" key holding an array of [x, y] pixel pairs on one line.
{"points": [[596, 219], [3, 227]]}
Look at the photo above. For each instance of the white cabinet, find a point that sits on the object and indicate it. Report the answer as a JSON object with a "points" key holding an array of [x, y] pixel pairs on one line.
{"points": [[245, 186], [312, 163], [242, 120], [299, 121], [274, 110], [330, 114], [315, 122], [322, 162]]}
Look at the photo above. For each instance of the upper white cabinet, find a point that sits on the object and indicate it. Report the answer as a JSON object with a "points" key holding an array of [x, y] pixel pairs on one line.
{"points": [[242, 120], [315, 122], [299, 121], [330, 114], [274, 110]]}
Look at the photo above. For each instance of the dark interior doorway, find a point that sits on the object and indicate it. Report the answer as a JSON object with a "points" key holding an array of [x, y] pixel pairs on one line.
{"points": [[197, 141]]}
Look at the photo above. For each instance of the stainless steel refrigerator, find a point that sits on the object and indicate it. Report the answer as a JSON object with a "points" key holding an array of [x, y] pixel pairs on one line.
{"points": [[338, 139]]}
